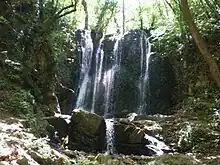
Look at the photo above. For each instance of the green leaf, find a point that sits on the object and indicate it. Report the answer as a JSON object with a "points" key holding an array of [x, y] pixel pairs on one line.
{"points": [[3, 20]]}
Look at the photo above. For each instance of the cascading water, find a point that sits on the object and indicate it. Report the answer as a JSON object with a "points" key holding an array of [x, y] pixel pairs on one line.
{"points": [[86, 61], [98, 73], [110, 136], [105, 74], [145, 47], [109, 79]]}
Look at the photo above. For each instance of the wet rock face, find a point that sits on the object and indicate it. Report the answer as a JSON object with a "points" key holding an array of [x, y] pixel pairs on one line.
{"points": [[162, 85], [159, 90], [108, 48], [126, 94], [86, 131]]}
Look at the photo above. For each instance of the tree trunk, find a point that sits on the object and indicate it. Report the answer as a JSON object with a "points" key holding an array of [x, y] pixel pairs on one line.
{"points": [[84, 3], [123, 14], [201, 44]]}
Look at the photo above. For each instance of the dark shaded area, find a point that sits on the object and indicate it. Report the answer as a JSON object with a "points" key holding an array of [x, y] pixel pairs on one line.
{"points": [[162, 85]]}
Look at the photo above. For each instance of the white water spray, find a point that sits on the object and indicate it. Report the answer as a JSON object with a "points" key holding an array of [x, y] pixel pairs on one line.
{"points": [[110, 136], [109, 78], [156, 145], [86, 61]]}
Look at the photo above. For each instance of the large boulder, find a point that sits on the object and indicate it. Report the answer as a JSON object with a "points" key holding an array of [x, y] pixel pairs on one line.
{"points": [[86, 131], [138, 137]]}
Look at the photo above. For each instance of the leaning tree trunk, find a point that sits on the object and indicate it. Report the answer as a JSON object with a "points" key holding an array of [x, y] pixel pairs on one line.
{"points": [[201, 44]]}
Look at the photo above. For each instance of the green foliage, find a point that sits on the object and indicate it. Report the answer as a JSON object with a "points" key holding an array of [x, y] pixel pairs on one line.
{"points": [[22, 102], [203, 105], [18, 102], [3, 20], [36, 122], [205, 15], [175, 41], [15, 100], [105, 14]]}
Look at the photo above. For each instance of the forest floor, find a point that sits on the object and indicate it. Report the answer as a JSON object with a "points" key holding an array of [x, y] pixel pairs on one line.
{"points": [[197, 142]]}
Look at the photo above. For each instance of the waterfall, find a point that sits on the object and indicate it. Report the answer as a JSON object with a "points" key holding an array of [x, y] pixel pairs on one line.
{"points": [[99, 56], [98, 75], [109, 79], [85, 66], [110, 136], [104, 74], [143, 86], [97, 78]]}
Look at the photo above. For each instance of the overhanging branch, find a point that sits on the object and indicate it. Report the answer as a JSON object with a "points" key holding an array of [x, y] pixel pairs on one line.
{"points": [[59, 13]]}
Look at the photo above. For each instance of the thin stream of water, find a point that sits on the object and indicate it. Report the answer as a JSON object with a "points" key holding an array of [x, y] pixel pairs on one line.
{"points": [[98, 73], [145, 47]]}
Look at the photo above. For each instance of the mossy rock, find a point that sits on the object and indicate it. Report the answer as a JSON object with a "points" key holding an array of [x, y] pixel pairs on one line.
{"points": [[88, 122], [174, 160], [106, 159], [86, 131], [52, 160], [120, 160]]}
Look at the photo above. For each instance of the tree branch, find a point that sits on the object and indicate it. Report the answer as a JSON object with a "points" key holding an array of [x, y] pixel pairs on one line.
{"points": [[59, 15], [66, 13], [201, 44]]}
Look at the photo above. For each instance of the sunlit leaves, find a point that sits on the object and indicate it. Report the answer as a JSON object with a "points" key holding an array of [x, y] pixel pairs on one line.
{"points": [[3, 20]]}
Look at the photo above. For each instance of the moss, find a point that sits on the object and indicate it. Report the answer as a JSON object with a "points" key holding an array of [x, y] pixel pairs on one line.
{"points": [[89, 163], [88, 122], [105, 159], [173, 160], [38, 126], [22, 102], [16, 101], [205, 140], [48, 160]]}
